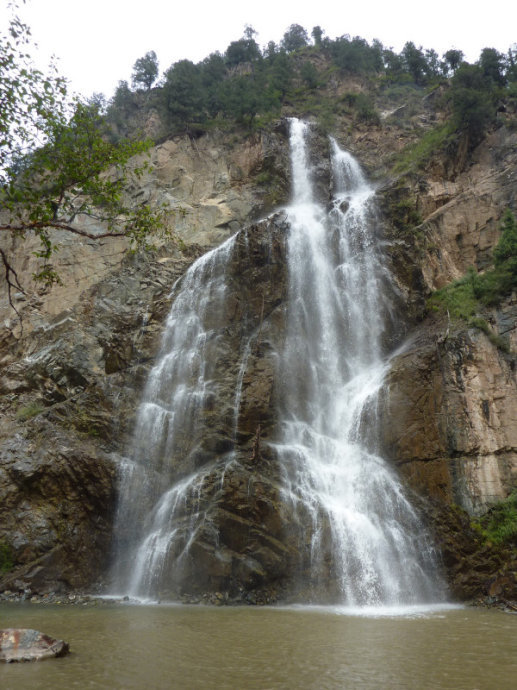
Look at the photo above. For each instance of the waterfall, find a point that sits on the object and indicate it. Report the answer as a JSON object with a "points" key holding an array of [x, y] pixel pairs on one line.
{"points": [[355, 527], [364, 532], [161, 482]]}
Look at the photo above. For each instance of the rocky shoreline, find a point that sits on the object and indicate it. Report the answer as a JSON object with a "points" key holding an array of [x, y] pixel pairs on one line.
{"points": [[206, 599]]}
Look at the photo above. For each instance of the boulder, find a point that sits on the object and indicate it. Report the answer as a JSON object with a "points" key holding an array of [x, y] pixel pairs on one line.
{"points": [[24, 644]]}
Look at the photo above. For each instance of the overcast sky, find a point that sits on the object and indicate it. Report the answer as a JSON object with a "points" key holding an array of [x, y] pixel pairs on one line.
{"points": [[97, 41]]}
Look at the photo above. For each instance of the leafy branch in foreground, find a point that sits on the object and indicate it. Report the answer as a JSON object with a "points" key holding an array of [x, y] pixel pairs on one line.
{"points": [[27, 95], [58, 167], [78, 173]]}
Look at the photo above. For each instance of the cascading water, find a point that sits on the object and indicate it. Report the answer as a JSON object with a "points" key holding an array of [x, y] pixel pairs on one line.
{"points": [[363, 534], [157, 509]]}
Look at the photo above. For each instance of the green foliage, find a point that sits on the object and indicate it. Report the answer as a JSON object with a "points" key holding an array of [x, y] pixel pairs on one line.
{"points": [[241, 99], [122, 106], [145, 70], [183, 95], [27, 95], [57, 163], [499, 525], [6, 558], [491, 63], [452, 59], [415, 62], [295, 37], [281, 73], [402, 211], [363, 106], [464, 298], [29, 411], [506, 250], [213, 72], [417, 155], [317, 35], [309, 74], [473, 100], [67, 178], [458, 298], [356, 56], [244, 50]]}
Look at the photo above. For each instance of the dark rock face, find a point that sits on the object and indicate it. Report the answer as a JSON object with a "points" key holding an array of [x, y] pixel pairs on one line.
{"points": [[24, 644], [235, 524], [69, 395], [70, 389]]}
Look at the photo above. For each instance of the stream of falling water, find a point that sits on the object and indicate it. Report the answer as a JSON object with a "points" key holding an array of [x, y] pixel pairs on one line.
{"points": [[363, 531], [333, 369]]}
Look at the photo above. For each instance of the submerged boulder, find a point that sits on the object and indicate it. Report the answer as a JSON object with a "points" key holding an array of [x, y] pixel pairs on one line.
{"points": [[24, 644]]}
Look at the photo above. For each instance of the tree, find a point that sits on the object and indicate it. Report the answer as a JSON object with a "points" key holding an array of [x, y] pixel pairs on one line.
{"points": [[281, 73], [415, 62], [393, 63], [317, 35], [491, 63], [213, 72], [511, 72], [473, 102], [242, 98], [57, 163], [145, 70], [452, 59], [27, 95], [309, 74], [432, 63], [183, 93], [355, 56], [294, 38], [506, 249], [244, 50]]}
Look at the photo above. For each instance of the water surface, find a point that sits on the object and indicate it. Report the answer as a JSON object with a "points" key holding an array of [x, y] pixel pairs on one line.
{"points": [[190, 647]]}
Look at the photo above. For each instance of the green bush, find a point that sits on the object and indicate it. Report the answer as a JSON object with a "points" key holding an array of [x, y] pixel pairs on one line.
{"points": [[499, 525], [6, 558], [464, 297], [28, 411], [417, 155]]}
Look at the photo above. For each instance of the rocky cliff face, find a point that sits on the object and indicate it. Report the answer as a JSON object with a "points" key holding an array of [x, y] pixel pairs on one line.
{"points": [[453, 418], [73, 370], [71, 379]]}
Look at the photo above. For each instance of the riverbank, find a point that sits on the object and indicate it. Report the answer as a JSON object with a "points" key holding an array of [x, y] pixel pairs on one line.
{"points": [[208, 599]]}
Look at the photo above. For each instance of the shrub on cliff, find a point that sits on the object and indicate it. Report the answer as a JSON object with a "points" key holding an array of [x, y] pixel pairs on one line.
{"points": [[499, 525], [464, 298], [473, 99]]}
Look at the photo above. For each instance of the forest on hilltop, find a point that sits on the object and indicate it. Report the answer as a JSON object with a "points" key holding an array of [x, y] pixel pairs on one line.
{"points": [[251, 86], [55, 150]]}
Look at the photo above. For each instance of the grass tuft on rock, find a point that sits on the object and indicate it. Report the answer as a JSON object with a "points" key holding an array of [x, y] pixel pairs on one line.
{"points": [[499, 525]]}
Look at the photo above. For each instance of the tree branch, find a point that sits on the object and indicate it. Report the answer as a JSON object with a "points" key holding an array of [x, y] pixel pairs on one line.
{"points": [[58, 225], [11, 278]]}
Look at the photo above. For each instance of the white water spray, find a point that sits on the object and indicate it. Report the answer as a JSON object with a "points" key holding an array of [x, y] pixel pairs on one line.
{"points": [[364, 535], [160, 486], [364, 532]]}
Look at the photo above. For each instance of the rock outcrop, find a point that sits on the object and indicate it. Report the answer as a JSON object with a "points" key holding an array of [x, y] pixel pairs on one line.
{"points": [[71, 379], [24, 644]]}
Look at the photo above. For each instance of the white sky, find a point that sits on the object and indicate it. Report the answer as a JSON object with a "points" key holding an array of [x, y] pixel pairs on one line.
{"points": [[97, 41]]}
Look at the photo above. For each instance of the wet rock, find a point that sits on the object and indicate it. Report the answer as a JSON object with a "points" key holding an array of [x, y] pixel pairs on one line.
{"points": [[24, 644], [449, 411]]}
